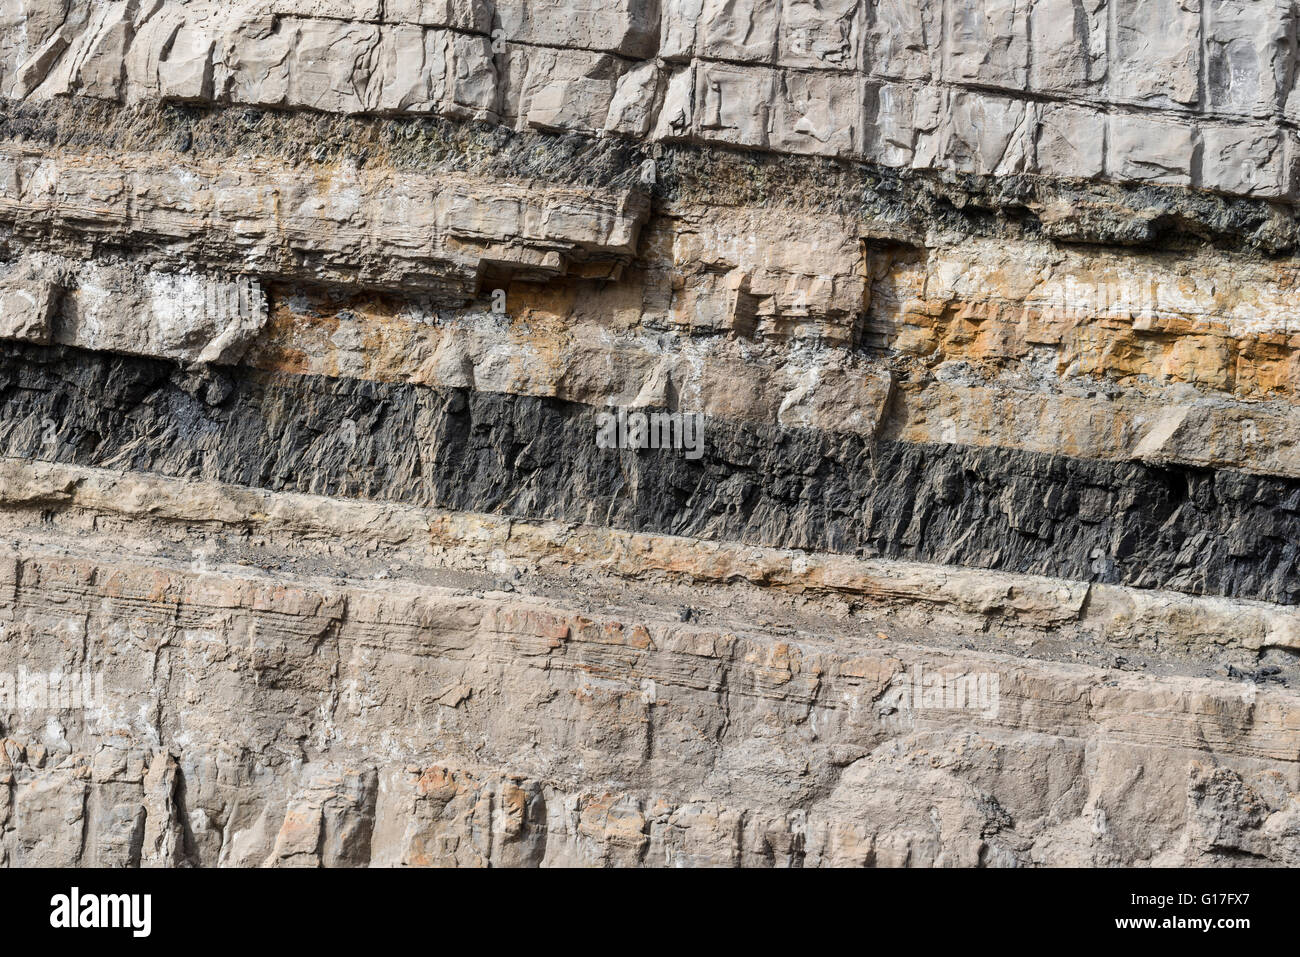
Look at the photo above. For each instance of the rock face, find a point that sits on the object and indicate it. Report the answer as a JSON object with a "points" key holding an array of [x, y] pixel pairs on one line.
{"points": [[946, 350], [1167, 91]]}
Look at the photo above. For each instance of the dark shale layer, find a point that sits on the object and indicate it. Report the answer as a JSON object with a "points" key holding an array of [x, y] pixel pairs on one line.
{"points": [[1197, 531]]}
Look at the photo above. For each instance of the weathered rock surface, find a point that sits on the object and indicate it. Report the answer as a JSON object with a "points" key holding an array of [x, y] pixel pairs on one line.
{"points": [[120, 308], [615, 733], [198, 520], [988, 87], [309, 555], [356, 224]]}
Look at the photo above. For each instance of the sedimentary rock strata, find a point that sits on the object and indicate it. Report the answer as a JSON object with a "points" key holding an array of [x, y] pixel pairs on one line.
{"points": [[309, 555]]}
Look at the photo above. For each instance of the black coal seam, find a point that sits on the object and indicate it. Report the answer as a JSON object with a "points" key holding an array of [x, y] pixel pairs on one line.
{"points": [[1193, 530]]}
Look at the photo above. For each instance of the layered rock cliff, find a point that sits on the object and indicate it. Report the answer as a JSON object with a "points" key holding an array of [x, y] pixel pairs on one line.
{"points": [[989, 549]]}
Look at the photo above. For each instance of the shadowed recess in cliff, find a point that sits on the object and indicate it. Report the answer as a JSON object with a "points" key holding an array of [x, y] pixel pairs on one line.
{"points": [[1198, 531]]}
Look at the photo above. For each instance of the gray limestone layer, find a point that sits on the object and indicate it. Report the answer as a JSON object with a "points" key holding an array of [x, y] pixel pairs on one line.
{"points": [[1198, 93]]}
